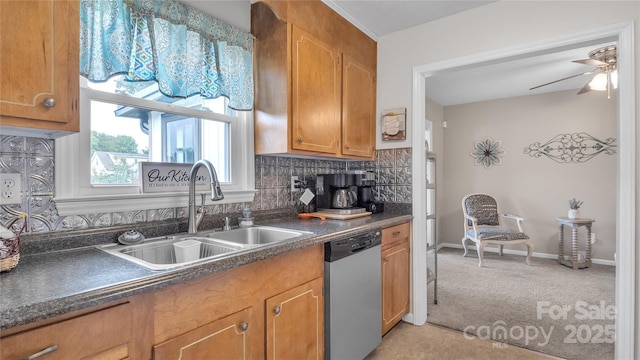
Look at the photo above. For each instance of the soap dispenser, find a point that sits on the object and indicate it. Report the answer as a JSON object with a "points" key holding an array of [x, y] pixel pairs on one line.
{"points": [[246, 220]]}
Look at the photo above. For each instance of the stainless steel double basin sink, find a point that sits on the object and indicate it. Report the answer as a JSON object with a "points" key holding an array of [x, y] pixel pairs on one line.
{"points": [[159, 253]]}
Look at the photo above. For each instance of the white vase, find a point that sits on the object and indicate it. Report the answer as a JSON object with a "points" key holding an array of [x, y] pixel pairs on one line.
{"points": [[574, 214]]}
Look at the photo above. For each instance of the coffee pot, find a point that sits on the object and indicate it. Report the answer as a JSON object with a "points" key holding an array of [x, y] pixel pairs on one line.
{"points": [[344, 198]]}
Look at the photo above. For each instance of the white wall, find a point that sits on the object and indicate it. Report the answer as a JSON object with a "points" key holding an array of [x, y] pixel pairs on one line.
{"points": [[499, 25], [535, 188], [503, 25]]}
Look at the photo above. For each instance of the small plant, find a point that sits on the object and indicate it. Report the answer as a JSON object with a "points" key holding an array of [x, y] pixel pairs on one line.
{"points": [[575, 204]]}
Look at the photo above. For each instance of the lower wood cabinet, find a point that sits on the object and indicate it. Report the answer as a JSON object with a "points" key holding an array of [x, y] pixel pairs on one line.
{"points": [[294, 322], [396, 263], [270, 309], [229, 338], [294, 330], [104, 334]]}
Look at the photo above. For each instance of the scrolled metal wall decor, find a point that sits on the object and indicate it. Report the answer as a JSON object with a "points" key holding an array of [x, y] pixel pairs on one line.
{"points": [[488, 153], [576, 148]]}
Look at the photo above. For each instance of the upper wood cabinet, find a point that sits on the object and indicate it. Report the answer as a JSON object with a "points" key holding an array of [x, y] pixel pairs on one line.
{"points": [[315, 109], [315, 82], [39, 67], [358, 109]]}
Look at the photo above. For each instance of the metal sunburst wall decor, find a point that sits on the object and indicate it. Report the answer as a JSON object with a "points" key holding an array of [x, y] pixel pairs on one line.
{"points": [[575, 148], [488, 153]]}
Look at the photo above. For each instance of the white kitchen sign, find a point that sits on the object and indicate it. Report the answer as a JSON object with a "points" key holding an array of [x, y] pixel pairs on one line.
{"points": [[171, 177]]}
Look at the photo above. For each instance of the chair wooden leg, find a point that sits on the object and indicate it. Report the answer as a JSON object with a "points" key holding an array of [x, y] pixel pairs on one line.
{"points": [[464, 245], [529, 252], [480, 249], [500, 249]]}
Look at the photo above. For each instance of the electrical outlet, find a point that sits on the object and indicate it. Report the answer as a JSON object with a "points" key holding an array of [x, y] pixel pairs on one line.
{"points": [[294, 179], [10, 189]]}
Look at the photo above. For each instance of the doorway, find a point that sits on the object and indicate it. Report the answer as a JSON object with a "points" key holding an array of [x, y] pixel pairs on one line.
{"points": [[625, 203]]}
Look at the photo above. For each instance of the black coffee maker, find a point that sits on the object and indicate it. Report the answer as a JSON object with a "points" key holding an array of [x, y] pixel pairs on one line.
{"points": [[337, 192], [365, 181]]}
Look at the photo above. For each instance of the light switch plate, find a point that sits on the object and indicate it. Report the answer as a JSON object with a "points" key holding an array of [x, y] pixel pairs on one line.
{"points": [[10, 189]]}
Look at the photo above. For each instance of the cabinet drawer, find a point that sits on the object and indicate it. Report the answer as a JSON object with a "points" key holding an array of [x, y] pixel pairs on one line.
{"points": [[395, 233], [104, 334]]}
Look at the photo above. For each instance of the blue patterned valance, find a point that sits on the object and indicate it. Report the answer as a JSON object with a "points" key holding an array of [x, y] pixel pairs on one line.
{"points": [[185, 51]]}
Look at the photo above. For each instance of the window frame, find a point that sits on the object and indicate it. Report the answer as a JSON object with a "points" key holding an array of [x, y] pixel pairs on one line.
{"points": [[74, 193]]}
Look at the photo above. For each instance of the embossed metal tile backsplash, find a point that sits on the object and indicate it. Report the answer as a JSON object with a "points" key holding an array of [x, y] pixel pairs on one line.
{"points": [[34, 159]]}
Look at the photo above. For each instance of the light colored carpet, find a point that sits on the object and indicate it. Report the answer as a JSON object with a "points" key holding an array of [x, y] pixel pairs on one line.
{"points": [[408, 342], [546, 307]]}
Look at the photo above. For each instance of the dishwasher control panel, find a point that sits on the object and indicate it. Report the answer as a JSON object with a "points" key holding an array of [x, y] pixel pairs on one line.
{"points": [[340, 248]]}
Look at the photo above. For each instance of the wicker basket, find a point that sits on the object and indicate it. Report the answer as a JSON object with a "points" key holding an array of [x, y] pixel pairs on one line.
{"points": [[10, 247]]}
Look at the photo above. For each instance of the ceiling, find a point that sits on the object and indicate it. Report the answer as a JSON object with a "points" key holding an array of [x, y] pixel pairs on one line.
{"points": [[379, 18], [501, 79]]}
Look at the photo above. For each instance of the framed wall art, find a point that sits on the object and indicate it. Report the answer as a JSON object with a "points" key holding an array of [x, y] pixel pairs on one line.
{"points": [[394, 124]]}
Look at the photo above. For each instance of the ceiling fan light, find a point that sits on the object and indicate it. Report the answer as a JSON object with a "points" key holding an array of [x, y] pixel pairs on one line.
{"points": [[599, 82], [614, 79]]}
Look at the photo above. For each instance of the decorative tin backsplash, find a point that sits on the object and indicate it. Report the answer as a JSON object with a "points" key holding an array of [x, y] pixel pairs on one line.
{"points": [[33, 158]]}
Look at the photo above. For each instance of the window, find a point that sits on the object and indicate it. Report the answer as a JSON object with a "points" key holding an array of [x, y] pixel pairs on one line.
{"points": [[152, 63], [125, 134], [122, 127]]}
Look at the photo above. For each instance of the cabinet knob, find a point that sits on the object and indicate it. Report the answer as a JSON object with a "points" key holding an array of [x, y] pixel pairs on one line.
{"points": [[49, 102], [244, 326], [277, 310], [300, 140]]}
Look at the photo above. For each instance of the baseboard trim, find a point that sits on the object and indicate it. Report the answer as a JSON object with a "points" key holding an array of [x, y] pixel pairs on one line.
{"points": [[521, 252]]}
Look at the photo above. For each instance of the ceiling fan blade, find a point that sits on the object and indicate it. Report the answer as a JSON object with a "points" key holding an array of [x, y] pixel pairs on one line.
{"points": [[568, 77], [585, 88], [591, 62]]}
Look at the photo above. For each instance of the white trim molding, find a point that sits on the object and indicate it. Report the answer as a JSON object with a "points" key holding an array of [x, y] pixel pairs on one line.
{"points": [[522, 253]]}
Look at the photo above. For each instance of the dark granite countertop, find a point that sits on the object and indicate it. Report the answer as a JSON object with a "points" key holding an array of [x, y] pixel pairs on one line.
{"points": [[44, 285]]}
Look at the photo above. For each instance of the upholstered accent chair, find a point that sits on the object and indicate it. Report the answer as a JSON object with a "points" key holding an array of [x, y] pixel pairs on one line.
{"points": [[482, 226]]}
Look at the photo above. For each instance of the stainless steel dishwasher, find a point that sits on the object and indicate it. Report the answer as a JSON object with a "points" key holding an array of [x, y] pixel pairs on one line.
{"points": [[353, 296]]}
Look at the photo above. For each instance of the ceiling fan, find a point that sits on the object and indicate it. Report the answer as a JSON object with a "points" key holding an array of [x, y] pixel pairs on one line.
{"points": [[605, 74]]}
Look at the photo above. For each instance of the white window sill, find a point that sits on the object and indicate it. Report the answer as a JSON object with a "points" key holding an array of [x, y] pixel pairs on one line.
{"points": [[118, 203]]}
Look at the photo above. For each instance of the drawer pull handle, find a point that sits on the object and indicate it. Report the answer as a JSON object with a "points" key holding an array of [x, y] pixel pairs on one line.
{"points": [[277, 310], [396, 233], [42, 352], [244, 326], [300, 140]]}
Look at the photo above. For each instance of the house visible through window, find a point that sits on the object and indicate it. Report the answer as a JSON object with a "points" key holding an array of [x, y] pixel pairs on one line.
{"points": [[126, 133]]}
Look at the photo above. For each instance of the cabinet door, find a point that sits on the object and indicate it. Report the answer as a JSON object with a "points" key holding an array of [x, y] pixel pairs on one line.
{"points": [[295, 323], [228, 338], [316, 93], [395, 284], [39, 64], [358, 109], [104, 334]]}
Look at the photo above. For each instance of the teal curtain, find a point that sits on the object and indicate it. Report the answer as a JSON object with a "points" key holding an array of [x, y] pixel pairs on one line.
{"points": [[185, 51]]}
